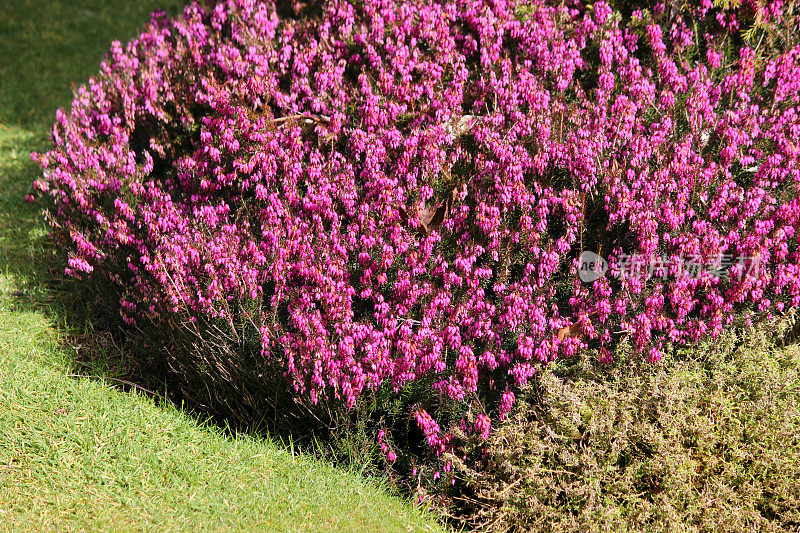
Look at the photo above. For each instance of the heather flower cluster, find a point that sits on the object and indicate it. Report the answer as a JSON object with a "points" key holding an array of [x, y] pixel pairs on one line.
{"points": [[398, 192]]}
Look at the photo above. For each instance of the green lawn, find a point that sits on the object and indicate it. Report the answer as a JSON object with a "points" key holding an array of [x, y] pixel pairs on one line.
{"points": [[77, 452]]}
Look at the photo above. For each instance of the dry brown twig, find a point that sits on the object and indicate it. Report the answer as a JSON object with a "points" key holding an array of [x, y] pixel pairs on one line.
{"points": [[309, 119]]}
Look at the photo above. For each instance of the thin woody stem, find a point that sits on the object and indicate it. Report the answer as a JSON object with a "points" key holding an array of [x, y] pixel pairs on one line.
{"points": [[315, 118]]}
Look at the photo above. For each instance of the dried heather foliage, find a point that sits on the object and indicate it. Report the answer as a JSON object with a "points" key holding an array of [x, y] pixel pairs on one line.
{"points": [[708, 440]]}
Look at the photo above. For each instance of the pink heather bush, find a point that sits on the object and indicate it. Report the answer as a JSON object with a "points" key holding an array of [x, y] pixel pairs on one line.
{"points": [[396, 193]]}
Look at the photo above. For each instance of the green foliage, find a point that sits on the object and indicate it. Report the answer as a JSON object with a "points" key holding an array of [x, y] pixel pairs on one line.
{"points": [[727, 4]]}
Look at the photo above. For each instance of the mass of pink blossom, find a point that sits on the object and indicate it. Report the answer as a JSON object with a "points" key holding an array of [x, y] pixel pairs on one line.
{"points": [[397, 192]]}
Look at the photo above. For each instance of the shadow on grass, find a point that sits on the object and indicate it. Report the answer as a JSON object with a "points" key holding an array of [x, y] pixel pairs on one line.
{"points": [[31, 268], [21, 229], [49, 45]]}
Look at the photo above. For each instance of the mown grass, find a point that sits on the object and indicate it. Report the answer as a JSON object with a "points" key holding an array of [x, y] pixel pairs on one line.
{"points": [[76, 452]]}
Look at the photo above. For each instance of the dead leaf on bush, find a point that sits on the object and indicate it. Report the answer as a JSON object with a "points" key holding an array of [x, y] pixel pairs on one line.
{"points": [[575, 329], [569, 331], [431, 218]]}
